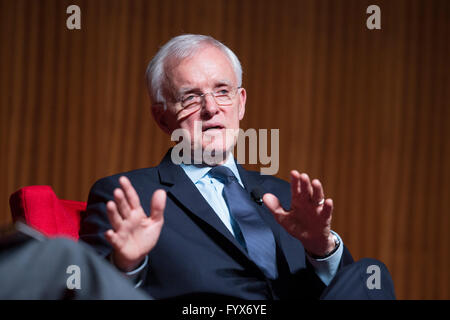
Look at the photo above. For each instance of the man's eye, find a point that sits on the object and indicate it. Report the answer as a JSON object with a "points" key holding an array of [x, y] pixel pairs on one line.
{"points": [[222, 92], [188, 98]]}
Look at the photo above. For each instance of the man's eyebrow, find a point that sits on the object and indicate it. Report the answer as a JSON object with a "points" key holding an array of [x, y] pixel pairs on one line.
{"points": [[222, 84], [189, 90]]}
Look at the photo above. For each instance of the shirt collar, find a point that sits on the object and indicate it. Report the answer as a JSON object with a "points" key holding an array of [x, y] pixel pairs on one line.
{"points": [[196, 173]]}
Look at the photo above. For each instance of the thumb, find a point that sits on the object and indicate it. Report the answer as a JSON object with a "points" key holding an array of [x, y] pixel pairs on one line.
{"points": [[158, 205], [274, 205]]}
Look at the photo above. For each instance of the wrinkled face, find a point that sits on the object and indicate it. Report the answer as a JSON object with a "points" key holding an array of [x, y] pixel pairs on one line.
{"points": [[208, 123]]}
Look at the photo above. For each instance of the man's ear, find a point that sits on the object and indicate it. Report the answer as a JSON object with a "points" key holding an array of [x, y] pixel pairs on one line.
{"points": [[242, 100], [160, 115]]}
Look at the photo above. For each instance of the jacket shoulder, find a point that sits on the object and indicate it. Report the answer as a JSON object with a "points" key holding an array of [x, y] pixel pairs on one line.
{"points": [[268, 180], [138, 178]]}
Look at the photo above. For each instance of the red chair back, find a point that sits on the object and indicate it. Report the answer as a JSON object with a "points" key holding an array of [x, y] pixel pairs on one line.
{"points": [[40, 208]]}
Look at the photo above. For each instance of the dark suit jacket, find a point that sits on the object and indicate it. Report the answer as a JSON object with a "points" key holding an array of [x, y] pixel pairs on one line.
{"points": [[196, 255]]}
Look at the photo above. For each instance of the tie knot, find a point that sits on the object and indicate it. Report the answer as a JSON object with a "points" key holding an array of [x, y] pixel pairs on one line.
{"points": [[222, 173]]}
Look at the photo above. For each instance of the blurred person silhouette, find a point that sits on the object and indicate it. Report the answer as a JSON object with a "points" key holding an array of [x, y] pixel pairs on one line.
{"points": [[34, 267]]}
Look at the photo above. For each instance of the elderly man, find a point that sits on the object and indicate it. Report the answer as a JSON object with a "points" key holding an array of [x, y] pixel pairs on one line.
{"points": [[216, 240]]}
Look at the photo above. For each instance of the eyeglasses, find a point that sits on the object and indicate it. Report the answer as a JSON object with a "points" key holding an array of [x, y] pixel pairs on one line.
{"points": [[222, 96]]}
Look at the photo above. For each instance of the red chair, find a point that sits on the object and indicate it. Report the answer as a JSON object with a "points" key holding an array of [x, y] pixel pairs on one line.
{"points": [[40, 208]]}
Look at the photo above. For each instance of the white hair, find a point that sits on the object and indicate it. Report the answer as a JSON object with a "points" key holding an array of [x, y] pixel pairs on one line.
{"points": [[179, 48]]}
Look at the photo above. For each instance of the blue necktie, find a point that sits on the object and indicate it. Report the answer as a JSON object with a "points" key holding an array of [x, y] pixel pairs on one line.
{"points": [[258, 237]]}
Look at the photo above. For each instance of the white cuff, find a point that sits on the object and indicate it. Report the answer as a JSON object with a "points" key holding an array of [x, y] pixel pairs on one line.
{"points": [[135, 275], [326, 268]]}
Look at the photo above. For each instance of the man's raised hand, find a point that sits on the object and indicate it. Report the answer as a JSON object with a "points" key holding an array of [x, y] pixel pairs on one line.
{"points": [[133, 234], [309, 219]]}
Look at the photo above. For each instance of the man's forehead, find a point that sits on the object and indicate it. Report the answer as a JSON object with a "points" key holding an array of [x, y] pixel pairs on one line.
{"points": [[208, 66], [214, 84]]}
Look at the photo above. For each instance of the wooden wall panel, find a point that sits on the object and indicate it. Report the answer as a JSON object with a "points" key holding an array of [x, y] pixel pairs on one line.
{"points": [[366, 112]]}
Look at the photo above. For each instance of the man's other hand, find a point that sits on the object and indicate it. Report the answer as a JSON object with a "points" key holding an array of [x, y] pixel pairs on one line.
{"points": [[309, 219]]}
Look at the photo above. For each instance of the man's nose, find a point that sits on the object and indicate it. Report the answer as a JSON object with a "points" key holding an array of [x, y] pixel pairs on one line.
{"points": [[209, 104]]}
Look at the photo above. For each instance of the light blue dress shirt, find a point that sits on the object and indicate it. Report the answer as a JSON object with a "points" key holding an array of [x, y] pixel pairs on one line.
{"points": [[211, 189]]}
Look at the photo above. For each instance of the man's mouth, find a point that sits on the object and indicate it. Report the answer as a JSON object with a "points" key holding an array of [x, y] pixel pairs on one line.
{"points": [[206, 128]]}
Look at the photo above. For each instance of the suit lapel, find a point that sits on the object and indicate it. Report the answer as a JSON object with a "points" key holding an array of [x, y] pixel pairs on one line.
{"points": [[187, 194]]}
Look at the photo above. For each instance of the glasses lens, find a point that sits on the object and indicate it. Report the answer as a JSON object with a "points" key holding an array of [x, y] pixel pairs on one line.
{"points": [[190, 101], [223, 99]]}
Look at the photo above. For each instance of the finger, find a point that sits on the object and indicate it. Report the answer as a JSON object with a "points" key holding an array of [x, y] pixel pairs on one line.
{"points": [[122, 203], [158, 205], [130, 192], [113, 215], [327, 210], [184, 113], [318, 194], [274, 205], [295, 183], [113, 238], [306, 190]]}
